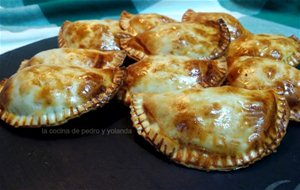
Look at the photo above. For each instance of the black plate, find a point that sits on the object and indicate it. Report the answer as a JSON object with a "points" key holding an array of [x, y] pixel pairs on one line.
{"points": [[110, 155]]}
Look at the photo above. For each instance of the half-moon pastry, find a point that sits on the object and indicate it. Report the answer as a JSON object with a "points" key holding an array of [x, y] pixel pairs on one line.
{"points": [[266, 73], [286, 49], [77, 57], [90, 34], [136, 24], [217, 128], [158, 74], [197, 41], [234, 26], [47, 95]]}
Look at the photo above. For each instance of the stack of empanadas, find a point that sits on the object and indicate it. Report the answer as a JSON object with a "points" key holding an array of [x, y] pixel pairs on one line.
{"points": [[205, 91], [179, 103]]}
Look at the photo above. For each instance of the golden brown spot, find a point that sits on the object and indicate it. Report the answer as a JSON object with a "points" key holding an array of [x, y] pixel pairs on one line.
{"points": [[270, 71], [33, 61], [34, 70], [181, 106], [184, 122], [102, 59], [26, 88], [181, 126], [143, 23], [44, 96], [234, 74], [73, 42], [160, 68], [91, 86], [136, 72], [81, 30], [67, 29], [206, 112], [96, 27], [189, 39], [5, 93], [187, 127], [264, 42], [67, 50], [216, 106], [150, 115]]}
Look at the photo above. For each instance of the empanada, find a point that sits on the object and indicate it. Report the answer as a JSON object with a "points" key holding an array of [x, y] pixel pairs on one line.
{"points": [[158, 74], [217, 128], [80, 57], [136, 24], [286, 49], [234, 26], [197, 41], [266, 73], [90, 34], [47, 95]]}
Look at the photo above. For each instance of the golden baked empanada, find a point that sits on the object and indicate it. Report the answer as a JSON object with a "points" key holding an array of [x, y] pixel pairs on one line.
{"points": [[90, 34], [234, 26], [286, 49], [80, 57], [197, 41], [265, 73], [157, 74], [217, 128], [49, 95], [135, 24]]}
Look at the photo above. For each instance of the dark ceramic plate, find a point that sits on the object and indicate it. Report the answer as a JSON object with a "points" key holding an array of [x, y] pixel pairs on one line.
{"points": [[100, 150]]}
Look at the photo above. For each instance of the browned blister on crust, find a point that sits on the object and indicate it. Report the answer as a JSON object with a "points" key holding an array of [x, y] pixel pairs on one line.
{"points": [[218, 128], [158, 74], [77, 57], [48, 94], [286, 49], [197, 41], [90, 34], [266, 73], [234, 26], [136, 24]]}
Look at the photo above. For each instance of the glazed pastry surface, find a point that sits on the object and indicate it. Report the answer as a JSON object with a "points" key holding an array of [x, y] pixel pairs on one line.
{"points": [[77, 57], [136, 24], [197, 41], [286, 49], [266, 73], [234, 26], [157, 74], [50, 94], [90, 34], [218, 128]]}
